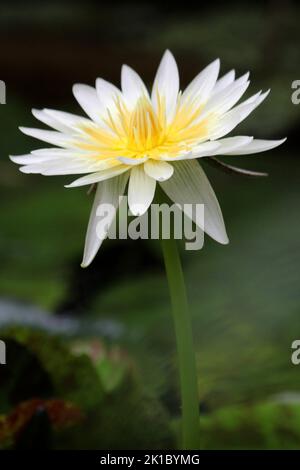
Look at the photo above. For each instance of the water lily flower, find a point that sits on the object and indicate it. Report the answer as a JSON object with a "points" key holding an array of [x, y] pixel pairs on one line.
{"points": [[130, 135]]}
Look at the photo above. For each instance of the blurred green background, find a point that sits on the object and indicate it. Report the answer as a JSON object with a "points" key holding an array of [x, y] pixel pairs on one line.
{"points": [[91, 359]]}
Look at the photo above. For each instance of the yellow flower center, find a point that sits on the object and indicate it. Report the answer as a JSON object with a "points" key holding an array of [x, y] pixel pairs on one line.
{"points": [[144, 132]]}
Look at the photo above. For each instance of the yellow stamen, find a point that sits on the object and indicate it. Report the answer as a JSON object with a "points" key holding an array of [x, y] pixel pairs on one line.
{"points": [[144, 131]]}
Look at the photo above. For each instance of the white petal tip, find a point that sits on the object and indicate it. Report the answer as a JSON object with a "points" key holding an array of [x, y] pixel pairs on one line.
{"points": [[24, 169], [168, 56], [76, 88], [84, 264], [223, 239], [279, 142], [137, 210]]}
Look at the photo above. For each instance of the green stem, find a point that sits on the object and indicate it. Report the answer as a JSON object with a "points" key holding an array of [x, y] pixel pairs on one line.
{"points": [[185, 346]]}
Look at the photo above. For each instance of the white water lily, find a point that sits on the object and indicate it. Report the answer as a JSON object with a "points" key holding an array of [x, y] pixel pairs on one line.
{"points": [[147, 139]]}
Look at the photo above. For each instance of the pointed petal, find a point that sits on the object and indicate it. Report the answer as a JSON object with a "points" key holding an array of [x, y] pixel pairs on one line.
{"points": [[42, 116], [226, 98], [51, 137], [203, 83], [141, 191], [68, 121], [88, 99], [51, 155], [166, 85], [108, 95], [230, 144], [98, 176], [159, 170], [246, 107], [133, 86], [205, 150], [52, 152], [232, 118], [189, 185], [108, 192], [202, 150], [224, 81], [24, 159], [68, 166], [256, 146], [224, 125]]}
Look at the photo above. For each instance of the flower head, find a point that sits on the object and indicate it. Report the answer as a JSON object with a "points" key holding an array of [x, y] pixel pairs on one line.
{"points": [[132, 135]]}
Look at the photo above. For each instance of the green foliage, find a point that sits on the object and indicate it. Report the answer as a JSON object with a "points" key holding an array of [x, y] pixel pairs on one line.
{"points": [[115, 408], [128, 418], [72, 377], [263, 426]]}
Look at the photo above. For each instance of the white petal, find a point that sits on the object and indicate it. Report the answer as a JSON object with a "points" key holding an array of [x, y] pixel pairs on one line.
{"points": [[224, 81], [132, 161], [108, 94], [23, 159], [256, 146], [159, 170], [52, 152], [232, 118], [69, 121], [243, 79], [60, 167], [31, 169], [231, 144], [166, 85], [133, 86], [88, 99], [56, 168], [51, 137], [108, 192], [226, 98], [141, 191], [181, 156], [98, 176], [42, 116], [203, 83], [246, 107], [189, 185], [56, 161], [204, 149], [224, 125]]}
